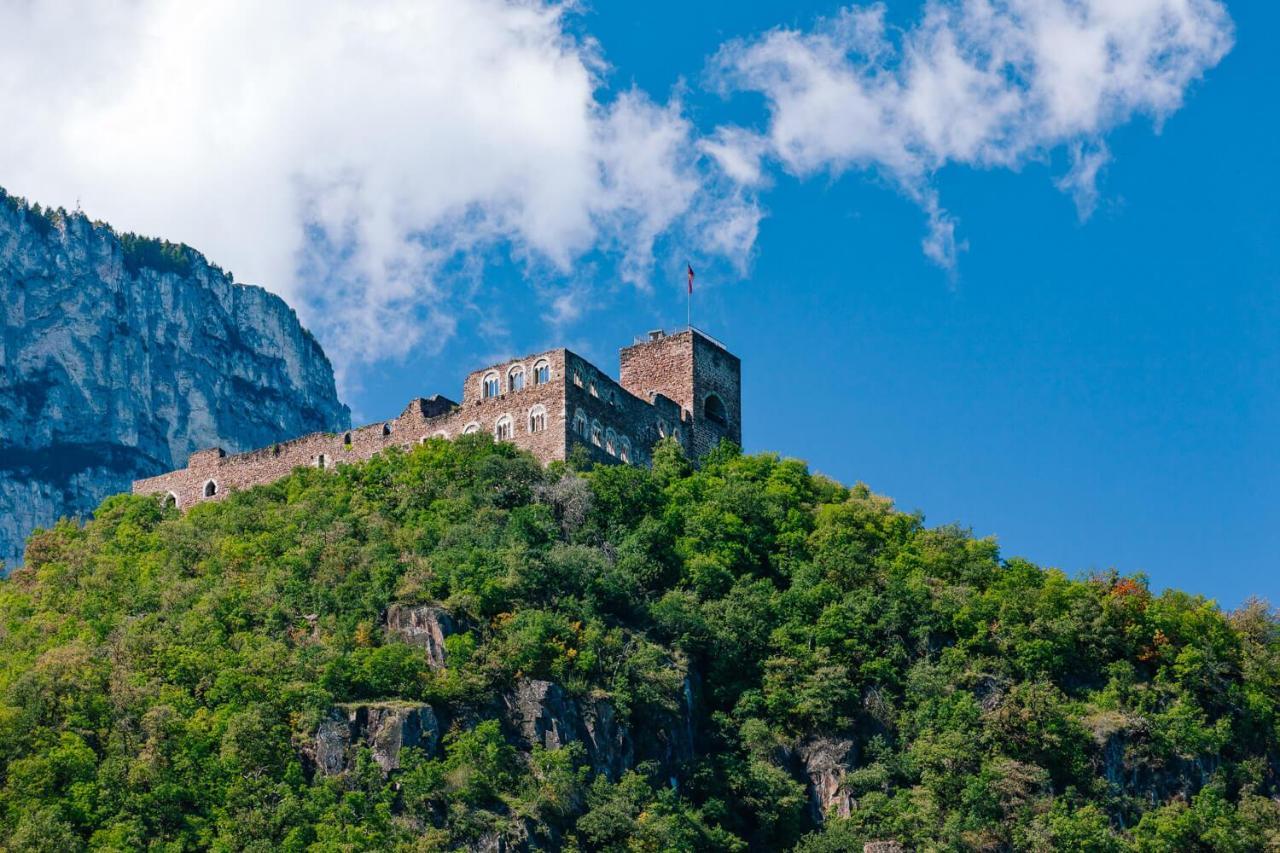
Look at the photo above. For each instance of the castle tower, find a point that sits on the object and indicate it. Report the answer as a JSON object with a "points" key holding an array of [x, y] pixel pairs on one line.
{"points": [[698, 373]]}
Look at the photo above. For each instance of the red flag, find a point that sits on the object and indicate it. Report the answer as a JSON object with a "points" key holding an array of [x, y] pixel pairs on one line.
{"points": [[690, 278]]}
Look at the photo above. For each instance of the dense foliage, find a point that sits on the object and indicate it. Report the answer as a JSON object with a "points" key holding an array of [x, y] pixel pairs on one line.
{"points": [[158, 672]]}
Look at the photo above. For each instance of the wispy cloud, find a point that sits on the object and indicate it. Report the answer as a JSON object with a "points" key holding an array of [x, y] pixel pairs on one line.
{"points": [[357, 158], [982, 83], [367, 161]]}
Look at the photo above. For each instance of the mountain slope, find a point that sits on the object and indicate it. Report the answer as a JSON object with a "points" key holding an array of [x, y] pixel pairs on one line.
{"points": [[456, 648], [121, 355]]}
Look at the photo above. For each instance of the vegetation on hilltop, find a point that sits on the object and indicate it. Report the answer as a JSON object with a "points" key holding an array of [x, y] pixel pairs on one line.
{"points": [[161, 673], [138, 252]]}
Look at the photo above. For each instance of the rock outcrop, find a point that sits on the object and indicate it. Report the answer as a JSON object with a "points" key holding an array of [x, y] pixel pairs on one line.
{"points": [[424, 626], [542, 713], [121, 355], [824, 761], [384, 727]]}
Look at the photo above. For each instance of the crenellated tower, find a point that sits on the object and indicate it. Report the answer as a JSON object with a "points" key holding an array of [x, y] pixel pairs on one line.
{"points": [[699, 374]]}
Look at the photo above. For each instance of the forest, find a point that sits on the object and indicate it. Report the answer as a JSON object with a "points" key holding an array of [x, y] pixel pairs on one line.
{"points": [[739, 656]]}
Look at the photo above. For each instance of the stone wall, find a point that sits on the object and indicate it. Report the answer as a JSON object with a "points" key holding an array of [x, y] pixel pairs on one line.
{"points": [[620, 424], [688, 367]]}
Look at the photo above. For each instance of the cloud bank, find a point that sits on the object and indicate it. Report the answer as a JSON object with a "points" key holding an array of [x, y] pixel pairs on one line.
{"points": [[982, 83], [359, 159], [367, 161]]}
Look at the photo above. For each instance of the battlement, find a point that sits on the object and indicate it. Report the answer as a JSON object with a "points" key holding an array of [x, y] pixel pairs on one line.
{"points": [[684, 385]]}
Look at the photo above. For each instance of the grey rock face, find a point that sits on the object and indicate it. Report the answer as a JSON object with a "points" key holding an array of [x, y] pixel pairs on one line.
{"points": [[120, 358], [384, 727], [424, 626], [825, 761], [540, 712]]}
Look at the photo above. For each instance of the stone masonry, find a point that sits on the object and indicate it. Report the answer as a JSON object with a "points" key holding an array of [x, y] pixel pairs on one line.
{"points": [[685, 385]]}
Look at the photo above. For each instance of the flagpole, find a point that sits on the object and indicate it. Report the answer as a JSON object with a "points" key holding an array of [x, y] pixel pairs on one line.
{"points": [[689, 297]]}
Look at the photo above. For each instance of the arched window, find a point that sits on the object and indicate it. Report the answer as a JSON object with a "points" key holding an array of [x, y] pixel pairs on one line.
{"points": [[577, 376], [440, 433], [491, 385], [171, 501], [538, 418], [515, 378], [624, 449], [591, 387], [541, 372], [210, 489], [346, 439], [713, 409], [502, 429], [471, 428], [610, 442], [597, 433], [386, 430], [661, 427], [580, 423]]}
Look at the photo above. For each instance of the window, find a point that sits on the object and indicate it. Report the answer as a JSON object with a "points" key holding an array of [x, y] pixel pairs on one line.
{"points": [[580, 423], [515, 378], [661, 426], [386, 430], [537, 419], [577, 377], [597, 433], [541, 373], [210, 489], [624, 449], [591, 388], [171, 501], [471, 428], [440, 434], [502, 429], [346, 439], [492, 386], [714, 411], [320, 461], [611, 442]]}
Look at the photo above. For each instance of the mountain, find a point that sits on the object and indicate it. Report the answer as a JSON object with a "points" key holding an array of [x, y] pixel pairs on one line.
{"points": [[121, 355], [455, 648]]}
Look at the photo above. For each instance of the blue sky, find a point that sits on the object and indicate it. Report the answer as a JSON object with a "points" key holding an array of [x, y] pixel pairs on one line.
{"points": [[1094, 394], [457, 182]]}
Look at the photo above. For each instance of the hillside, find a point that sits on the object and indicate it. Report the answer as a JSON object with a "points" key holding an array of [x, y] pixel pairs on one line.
{"points": [[120, 355], [456, 648]]}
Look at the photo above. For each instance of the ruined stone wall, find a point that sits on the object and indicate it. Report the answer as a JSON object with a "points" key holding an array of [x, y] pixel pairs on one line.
{"points": [[603, 400], [662, 365], [688, 367], [212, 474], [662, 380], [719, 372]]}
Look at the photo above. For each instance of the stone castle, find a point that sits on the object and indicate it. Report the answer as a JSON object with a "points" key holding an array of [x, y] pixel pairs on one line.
{"points": [[685, 385]]}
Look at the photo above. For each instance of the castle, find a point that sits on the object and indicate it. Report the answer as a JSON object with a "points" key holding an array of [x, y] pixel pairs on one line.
{"points": [[685, 385]]}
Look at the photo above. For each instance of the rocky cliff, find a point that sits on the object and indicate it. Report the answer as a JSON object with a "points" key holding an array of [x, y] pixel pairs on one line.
{"points": [[121, 355]]}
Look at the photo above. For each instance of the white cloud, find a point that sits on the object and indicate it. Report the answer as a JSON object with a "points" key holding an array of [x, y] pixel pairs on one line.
{"points": [[982, 83], [359, 159]]}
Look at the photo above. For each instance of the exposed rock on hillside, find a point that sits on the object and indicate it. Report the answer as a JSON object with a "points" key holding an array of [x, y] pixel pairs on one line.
{"points": [[542, 713], [424, 626], [384, 727], [824, 761], [122, 355]]}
